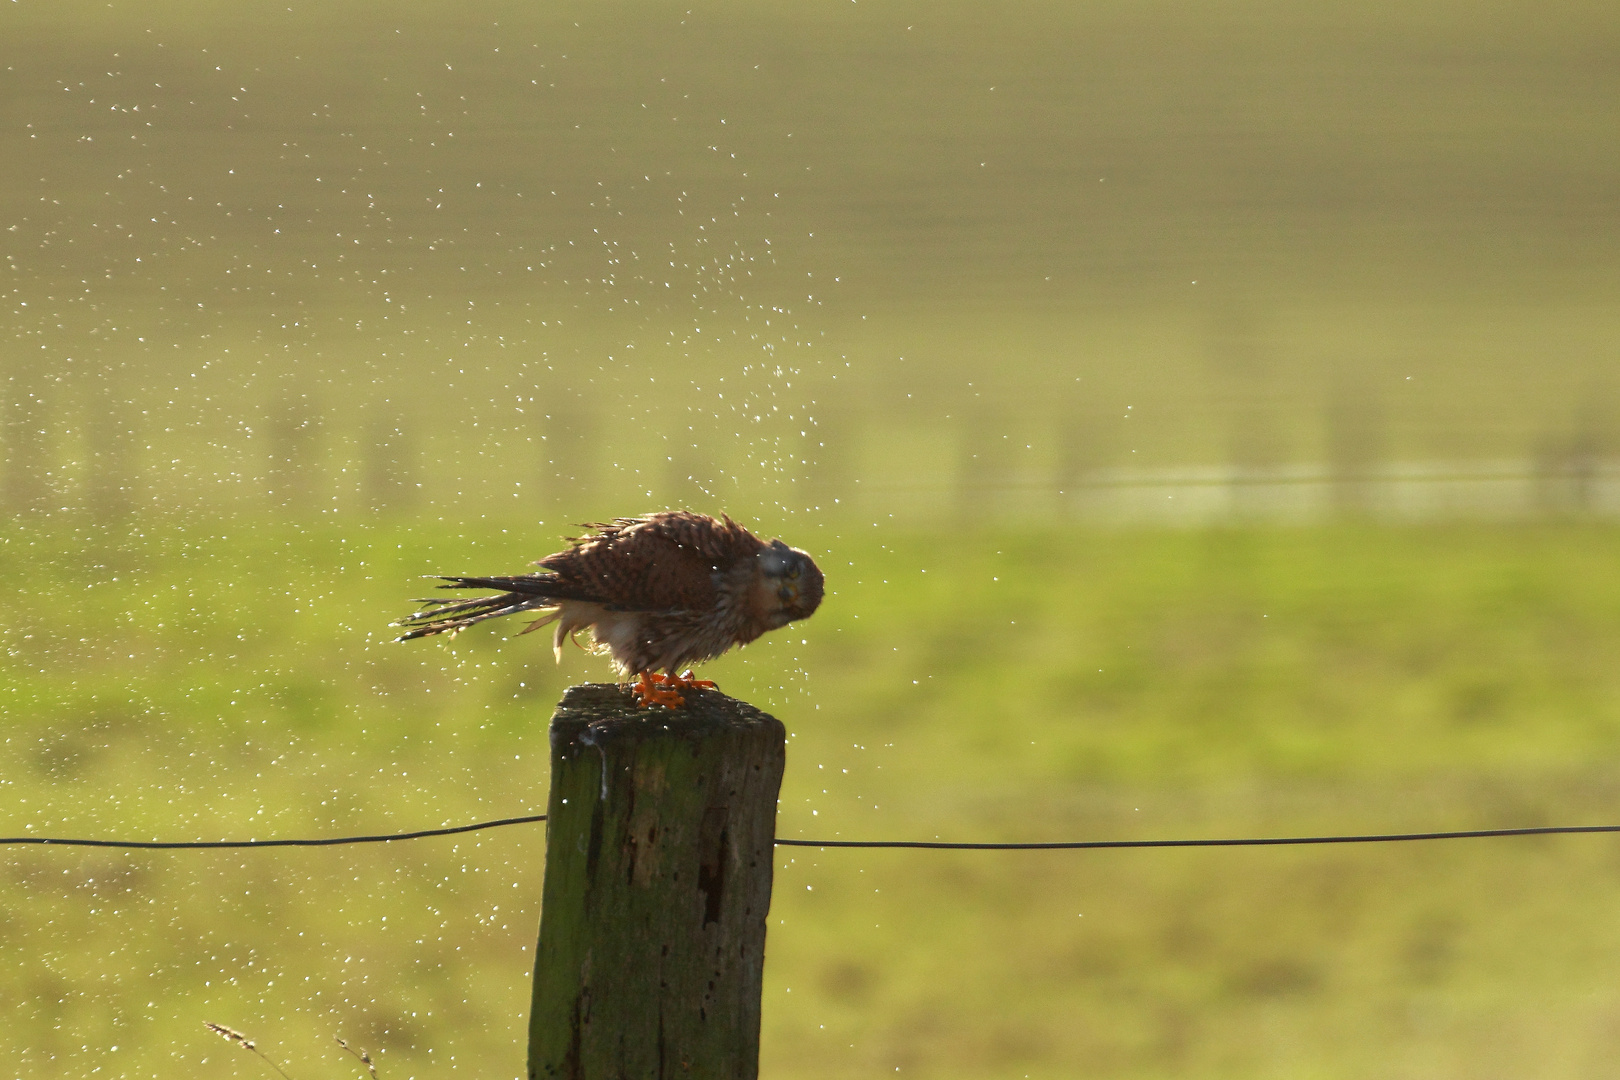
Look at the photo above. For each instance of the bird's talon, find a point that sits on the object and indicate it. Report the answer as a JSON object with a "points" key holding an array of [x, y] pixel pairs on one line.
{"points": [[686, 681], [658, 688], [654, 689]]}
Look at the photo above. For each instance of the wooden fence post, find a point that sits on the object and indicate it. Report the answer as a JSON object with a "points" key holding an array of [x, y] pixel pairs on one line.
{"points": [[659, 851]]}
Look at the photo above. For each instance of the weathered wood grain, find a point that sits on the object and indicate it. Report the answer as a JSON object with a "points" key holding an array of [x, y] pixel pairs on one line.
{"points": [[659, 849]]}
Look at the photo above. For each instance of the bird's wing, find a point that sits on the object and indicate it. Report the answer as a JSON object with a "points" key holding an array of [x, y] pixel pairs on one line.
{"points": [[661, 562]]}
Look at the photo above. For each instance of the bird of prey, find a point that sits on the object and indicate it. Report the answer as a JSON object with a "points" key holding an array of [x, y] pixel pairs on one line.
{"points": [[656, 592]]}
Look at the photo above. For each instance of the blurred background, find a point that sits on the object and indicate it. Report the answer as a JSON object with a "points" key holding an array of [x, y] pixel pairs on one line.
{"points": [[1208, 421]]}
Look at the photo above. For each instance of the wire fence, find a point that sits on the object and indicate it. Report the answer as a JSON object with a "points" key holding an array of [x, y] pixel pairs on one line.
{"points": [[939, 845], [327, 841]]}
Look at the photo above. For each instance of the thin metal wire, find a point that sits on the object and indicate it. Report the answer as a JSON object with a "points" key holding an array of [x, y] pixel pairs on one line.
{"points": [[947, 845], [1262, 841], [322, 842]]}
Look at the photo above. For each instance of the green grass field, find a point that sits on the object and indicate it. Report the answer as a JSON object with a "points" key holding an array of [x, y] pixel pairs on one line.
{"points": [[303, 303], [209, 680]]}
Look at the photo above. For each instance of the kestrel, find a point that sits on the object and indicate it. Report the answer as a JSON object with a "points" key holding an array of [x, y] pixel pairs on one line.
{"points": [[657, 593]]}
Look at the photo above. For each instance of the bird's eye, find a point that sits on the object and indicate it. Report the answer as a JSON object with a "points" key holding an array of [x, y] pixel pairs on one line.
{"points": [[793, 574]]}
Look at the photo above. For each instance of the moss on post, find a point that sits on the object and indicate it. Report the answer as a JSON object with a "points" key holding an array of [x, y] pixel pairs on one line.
{"points": [[659, 849]]}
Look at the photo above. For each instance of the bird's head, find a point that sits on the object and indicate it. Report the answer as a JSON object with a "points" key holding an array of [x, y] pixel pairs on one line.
{"points": [[790, 584]]}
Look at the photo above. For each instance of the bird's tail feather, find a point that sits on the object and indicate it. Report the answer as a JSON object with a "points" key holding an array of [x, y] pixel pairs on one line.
{"points": [[449, 616], [527, 584]]}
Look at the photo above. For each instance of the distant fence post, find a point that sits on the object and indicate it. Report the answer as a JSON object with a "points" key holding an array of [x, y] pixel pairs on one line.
{"points": [[659, 853]]}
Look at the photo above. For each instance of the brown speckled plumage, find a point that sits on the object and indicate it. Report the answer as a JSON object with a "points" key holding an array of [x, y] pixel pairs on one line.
{"points": [[657, 592]]}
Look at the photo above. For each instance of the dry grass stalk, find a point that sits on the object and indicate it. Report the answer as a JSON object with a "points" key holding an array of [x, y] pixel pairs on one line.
{"points": [[245, 1043], [365, 1058]]}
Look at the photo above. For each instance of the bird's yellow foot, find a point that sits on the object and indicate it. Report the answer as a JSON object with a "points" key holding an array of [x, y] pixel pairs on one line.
{"points": [[656, 689], [685, 681]]}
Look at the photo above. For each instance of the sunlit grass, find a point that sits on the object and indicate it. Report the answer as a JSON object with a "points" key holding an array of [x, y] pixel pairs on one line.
{"points": [[207, 680]]}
